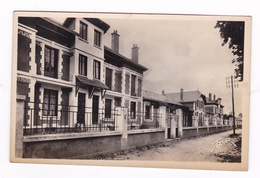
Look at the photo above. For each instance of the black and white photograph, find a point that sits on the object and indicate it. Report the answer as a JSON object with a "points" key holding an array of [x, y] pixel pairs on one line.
{"points": [[131, 90]]}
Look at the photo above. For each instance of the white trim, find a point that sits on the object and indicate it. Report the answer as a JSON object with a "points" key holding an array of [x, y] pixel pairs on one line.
{"points": [[26, 28]]}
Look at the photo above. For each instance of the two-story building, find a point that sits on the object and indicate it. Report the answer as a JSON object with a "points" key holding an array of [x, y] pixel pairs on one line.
{"points": [[124, 79], [194, 101]]}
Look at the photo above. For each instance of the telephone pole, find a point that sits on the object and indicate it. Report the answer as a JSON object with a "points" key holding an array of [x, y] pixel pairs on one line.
{"points": [[231, 84]]}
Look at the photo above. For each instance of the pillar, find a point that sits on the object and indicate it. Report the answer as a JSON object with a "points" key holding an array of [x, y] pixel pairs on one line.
{"points": [[122, 121], [163, 119], [180, 122], [20, 103]]}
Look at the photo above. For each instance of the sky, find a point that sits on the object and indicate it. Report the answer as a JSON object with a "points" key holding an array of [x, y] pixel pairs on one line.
{"points": [[178, 54]]}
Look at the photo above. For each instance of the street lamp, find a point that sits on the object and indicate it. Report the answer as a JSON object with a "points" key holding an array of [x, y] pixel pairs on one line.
{"points": [[232, 83]]}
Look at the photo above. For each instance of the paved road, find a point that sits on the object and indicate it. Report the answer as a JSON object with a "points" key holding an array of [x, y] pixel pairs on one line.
{"points": [[193, 149]]}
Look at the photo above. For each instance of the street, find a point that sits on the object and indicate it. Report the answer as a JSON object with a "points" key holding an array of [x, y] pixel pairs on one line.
{"points": [[212, 148]]}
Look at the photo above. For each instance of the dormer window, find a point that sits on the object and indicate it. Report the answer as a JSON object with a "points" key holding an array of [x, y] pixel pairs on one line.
{"points": [[83, 31], [97, 38]]}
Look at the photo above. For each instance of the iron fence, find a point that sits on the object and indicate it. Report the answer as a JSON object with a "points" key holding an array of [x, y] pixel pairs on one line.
{"points": [[66, 119], [141, 120]]}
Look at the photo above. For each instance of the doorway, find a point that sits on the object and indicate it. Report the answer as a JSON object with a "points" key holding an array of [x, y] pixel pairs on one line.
{"points": [[81, 108], [95, 104]]}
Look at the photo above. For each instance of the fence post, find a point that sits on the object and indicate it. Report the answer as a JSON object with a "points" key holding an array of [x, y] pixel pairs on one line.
{"points": [[180, 122], [20, 104], [123, 126], [173, 126]]}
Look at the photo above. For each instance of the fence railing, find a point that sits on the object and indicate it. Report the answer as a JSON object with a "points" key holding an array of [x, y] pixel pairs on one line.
{"points": [[141, 120], [57, 75], [66, 119]]}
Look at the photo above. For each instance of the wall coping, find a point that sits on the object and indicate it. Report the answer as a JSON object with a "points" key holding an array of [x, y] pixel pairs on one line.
{"points": [[65, 136], [140, 131], [190, 128]]}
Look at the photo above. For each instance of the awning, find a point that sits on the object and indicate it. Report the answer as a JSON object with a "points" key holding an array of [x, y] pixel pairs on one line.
{"points": [[84, 82]]}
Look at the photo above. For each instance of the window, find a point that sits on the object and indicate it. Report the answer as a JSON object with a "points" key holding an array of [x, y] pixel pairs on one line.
{"points": [[133, 110], [50, 62], [50, 102], [147, 112], [97, 38], [139, 90], [83, 32], [109, 78], [108, 108], [118, 81], [133, 77], [96, 69], [83, 64]]}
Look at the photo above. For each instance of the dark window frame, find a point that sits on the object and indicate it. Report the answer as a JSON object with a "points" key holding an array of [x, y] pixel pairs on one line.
{"points": [[97, 38], [109, 78], [83, 31], [133, 85], [51, 62], [147, 112], [133, 110], [96, 69], [48, 93], [83, 65], [108, 108]]}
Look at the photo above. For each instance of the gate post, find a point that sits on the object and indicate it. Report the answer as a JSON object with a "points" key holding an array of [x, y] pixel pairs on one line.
{"points": [[124, 118], [20, 104], [180, 122]]}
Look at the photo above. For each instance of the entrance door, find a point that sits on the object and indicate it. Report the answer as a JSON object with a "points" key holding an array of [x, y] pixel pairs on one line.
{"points": [[81, 108], [95, 104]]}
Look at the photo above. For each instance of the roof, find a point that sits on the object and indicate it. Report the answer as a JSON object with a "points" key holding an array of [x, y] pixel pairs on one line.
{"points": [[149, 95], [121, 58], [210, 102], [95, 21], [99, 23], [96, 83], [50, 29], [188, 96]]}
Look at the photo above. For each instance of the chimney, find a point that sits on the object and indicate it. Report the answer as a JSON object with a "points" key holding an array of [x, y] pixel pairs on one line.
{"points": [[115, 41], [210, 95], [135, 49], [214, 97], [163, 92], [181, 94]]}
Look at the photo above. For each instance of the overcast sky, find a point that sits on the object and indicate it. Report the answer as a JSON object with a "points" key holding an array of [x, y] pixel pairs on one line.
{"points": [[178, 54]]}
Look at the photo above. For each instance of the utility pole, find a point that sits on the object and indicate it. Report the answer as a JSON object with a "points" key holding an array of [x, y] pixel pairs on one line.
{"points": [[231, 84]]}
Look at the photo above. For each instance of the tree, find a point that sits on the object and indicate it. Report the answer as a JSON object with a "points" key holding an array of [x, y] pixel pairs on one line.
{"points": [[233, 33]]}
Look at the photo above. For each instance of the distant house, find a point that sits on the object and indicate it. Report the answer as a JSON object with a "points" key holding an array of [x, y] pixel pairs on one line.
{"points": [[194, 114], [214, 110], [161, 110]]}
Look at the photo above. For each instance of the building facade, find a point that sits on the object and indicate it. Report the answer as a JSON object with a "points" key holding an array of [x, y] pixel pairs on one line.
{"points": [[60, 72], [214, 110], [124, 78]]}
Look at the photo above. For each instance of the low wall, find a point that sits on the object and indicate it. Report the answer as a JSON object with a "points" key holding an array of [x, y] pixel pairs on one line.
{"points": [[143, 137], [200, 131], [189, 132], [87, 145], [71, 146]]}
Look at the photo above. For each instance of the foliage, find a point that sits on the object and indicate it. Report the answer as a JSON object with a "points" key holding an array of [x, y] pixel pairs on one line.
{"points": [[232, 32]]}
